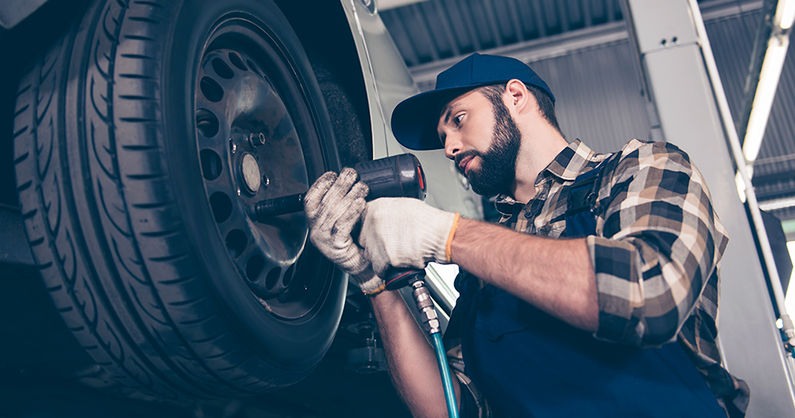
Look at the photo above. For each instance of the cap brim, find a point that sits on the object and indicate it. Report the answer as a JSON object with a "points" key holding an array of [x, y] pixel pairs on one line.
{"points": [[415, 119]]}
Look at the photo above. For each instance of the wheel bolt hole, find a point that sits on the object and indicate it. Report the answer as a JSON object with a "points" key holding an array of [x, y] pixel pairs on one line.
{"points": [[222, 69], [236, 242], [288, 276], [221, 205], [254, 267], [207, 123], [272, 279], [237, 62], [211, 89], [211, 164], [253, 67]]}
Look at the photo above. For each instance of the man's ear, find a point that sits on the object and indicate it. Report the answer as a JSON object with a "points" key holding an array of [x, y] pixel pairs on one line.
{"points": [[518, 96]]}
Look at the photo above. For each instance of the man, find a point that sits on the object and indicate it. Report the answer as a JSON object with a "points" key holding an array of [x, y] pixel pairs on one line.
{"points": [[597, 294]]}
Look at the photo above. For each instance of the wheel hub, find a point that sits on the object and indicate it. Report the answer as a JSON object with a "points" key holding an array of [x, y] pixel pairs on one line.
{"points": [[249, 169]]}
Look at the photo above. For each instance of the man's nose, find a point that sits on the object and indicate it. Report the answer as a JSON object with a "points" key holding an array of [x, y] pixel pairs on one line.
{"points": [[452, 146]]}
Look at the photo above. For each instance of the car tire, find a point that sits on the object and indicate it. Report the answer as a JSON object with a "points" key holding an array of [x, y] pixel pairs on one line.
{"points": [[142, 141]]}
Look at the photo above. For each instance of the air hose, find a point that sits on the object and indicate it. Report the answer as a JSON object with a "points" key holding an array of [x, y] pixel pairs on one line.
{"points": [[431, 321], [398, 278], [447, 380]]}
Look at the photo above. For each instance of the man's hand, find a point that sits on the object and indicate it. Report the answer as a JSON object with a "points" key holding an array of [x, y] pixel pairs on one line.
{"points": [[404, 232], [334, 204]]}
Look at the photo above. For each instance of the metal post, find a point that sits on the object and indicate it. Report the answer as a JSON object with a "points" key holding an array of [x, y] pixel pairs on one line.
{"points": [[679, 71]]}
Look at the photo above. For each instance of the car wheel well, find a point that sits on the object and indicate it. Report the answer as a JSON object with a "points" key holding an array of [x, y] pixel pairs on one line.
{"points": [[335, 61]]}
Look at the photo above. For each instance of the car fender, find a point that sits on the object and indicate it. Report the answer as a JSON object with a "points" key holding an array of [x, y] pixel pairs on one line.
{"points": [[388, 81], [14, 11]]}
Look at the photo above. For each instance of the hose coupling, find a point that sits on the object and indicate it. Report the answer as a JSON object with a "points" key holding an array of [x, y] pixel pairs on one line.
{"points": [[425, 305]]}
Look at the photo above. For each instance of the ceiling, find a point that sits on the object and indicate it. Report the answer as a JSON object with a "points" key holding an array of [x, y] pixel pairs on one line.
{"points": [[426, 31], [437, 29]]}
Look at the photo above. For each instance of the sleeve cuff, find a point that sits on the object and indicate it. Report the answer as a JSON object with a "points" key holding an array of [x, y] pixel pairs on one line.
{"points": [[619, 290]]}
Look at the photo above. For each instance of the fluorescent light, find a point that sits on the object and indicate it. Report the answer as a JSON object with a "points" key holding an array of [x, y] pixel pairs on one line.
{"points": [[787, 14], [783, 203], [393, 4], [738, 179], [765, 93]]}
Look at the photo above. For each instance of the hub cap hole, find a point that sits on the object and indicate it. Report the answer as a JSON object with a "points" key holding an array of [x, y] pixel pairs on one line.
{"points": [[272, 278], [254, 267], [237, 62], [222, 69], [211, 164], [221, 205], [207, 123], [211, 89], [236, 242]]}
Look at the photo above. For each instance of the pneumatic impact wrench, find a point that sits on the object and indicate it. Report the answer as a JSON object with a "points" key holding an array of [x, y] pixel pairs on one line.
{"points": [[395, 176]]}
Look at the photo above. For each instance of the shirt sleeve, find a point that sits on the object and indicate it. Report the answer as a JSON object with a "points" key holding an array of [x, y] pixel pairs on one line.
{"points": [[657, 242]]}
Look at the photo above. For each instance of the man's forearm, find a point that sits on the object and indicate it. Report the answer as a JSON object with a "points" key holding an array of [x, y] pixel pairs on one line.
{"points": [[412, 362], [555, 275]]}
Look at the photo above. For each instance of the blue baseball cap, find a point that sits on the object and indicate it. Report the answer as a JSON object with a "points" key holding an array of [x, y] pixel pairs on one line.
{"points": [[414, 120]]}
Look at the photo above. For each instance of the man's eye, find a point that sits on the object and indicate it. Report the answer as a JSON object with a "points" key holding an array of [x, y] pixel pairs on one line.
{"points": [[457, 119]]}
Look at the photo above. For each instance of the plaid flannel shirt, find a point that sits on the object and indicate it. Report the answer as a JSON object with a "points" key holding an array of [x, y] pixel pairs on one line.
{"points": [[655, 254]]}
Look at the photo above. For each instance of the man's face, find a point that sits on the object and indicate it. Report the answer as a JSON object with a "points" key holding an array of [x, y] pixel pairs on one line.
{"points": [[487, 157]]}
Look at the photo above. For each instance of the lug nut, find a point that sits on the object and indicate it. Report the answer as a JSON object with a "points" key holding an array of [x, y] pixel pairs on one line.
{"points": [[256, 139]]}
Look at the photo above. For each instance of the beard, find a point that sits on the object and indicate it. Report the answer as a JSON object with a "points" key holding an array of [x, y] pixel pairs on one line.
{"points": [[498, 164]]}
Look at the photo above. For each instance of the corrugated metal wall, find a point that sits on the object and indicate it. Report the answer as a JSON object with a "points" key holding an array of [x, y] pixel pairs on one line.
{"points": [[598, 94], [437, 29]]}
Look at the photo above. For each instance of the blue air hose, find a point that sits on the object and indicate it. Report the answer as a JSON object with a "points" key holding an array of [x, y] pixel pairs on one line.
{"points": [[398, 278], [447, 381]]}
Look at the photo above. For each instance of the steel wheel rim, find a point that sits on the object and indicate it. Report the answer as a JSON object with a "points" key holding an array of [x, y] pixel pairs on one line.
{"points": [[254, 130]]}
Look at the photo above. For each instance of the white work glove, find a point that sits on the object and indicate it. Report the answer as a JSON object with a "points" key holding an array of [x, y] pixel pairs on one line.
{"points": [[405, 232], [333, 205]]}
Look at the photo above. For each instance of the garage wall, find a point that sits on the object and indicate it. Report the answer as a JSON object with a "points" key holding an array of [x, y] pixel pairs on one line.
{"points": [[598, 95]]}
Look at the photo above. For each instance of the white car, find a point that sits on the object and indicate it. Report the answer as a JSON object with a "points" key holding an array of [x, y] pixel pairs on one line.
{"points": [[142, 140]]}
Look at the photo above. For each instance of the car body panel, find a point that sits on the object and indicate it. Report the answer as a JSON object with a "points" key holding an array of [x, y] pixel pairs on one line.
{"points": [[388, 82], [14, 11]]}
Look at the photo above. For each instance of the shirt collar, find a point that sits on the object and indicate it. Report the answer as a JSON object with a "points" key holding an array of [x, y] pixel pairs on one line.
{"points": [[567, 165], [573, 160]]}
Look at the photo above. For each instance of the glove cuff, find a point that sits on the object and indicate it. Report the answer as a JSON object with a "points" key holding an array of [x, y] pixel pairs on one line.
{"points": [[437, 234], [369, 282], [448, 248]]}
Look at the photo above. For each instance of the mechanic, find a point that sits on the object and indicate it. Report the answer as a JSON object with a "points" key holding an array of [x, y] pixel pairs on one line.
{"points": [[597, 295]]}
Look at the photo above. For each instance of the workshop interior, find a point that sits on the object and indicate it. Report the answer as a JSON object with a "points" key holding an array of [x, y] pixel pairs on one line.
{"points": [[154, 253]]}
